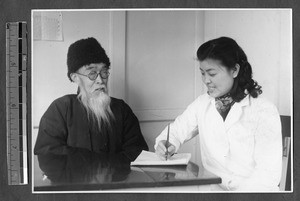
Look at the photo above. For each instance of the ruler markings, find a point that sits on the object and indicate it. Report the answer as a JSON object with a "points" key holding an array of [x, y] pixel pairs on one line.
{"points": [[16, 62]]}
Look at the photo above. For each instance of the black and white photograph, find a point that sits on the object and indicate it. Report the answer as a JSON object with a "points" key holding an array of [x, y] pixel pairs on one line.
{"points": [[162, 100]]}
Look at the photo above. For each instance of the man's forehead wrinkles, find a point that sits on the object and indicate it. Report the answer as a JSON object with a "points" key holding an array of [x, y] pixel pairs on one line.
{"points": [[89, 67], [94, 67]]}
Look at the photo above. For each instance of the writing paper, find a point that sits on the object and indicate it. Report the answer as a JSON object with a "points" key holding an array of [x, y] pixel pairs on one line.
{"points": [[150, 158]]}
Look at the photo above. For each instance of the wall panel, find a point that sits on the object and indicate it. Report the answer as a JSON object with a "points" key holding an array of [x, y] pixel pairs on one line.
{"points": [[162, 73]]}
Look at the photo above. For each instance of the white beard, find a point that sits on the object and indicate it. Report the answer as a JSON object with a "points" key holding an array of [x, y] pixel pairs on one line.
{"points": [[98, 108]]}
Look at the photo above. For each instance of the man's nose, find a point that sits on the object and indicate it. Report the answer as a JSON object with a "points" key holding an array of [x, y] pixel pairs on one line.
{"points": [[99, 79]]}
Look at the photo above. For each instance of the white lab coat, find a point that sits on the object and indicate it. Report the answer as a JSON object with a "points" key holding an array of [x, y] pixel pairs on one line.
{"points": [[245, 150]]}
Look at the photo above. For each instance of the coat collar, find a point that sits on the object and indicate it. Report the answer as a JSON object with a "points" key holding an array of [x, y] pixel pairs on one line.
{"points": [[235, 112], [244, 102]]}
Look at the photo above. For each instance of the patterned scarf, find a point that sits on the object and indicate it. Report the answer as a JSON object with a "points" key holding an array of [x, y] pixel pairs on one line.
{"points": [[223, 104]]}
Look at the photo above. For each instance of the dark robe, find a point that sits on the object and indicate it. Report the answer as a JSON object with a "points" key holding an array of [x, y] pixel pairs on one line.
{"points": [[65, 124]]}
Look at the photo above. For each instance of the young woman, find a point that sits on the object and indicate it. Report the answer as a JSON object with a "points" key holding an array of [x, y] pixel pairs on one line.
{"points": [[239, 132]]}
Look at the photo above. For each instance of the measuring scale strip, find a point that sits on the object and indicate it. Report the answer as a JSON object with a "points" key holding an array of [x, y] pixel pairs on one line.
{"points": [[16, 54]]}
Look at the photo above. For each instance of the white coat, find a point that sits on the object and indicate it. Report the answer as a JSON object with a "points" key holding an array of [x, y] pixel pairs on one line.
{"points": [[245, 150]]}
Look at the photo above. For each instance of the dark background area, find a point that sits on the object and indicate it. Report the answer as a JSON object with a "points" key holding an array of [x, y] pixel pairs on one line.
{"points": [[18, 10]]}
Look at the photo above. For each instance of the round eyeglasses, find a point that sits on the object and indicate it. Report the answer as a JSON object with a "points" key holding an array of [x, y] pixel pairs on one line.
{"points": [[104, 73]]}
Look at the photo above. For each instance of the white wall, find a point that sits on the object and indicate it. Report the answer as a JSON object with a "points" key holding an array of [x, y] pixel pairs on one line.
{"points": [[160, 59], [153, 55]]}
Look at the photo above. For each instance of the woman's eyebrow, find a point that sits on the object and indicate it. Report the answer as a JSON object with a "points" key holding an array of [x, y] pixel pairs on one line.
{"points": [[208, 70]]}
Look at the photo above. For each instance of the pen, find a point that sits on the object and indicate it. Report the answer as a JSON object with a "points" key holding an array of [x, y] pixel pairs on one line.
{"points": [[167, 143]]}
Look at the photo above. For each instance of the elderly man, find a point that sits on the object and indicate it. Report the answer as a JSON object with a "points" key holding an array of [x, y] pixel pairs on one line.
{"points": [[91, 119]]}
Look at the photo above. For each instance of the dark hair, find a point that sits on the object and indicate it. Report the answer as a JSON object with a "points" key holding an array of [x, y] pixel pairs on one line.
{"points": [[229, 53], [84, 52]]}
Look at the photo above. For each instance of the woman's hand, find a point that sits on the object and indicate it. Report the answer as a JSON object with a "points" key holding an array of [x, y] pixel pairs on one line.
{"points": [[161, 150]]}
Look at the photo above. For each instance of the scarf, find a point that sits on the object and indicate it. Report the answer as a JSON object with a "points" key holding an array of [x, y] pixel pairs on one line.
{"points": [[223, 104]]}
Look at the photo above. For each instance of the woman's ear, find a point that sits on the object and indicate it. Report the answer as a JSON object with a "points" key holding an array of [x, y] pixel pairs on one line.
{"points": [[236, 70]]}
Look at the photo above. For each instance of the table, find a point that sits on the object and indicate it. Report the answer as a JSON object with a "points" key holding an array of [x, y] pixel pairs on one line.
{"points": [[82, 170]]}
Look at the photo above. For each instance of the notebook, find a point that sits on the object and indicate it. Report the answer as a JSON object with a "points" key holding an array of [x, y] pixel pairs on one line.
{"points": [[150, 158]]}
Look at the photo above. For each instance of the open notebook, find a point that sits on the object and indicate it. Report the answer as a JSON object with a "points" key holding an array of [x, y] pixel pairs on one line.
{"points": [[150, 158]]}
